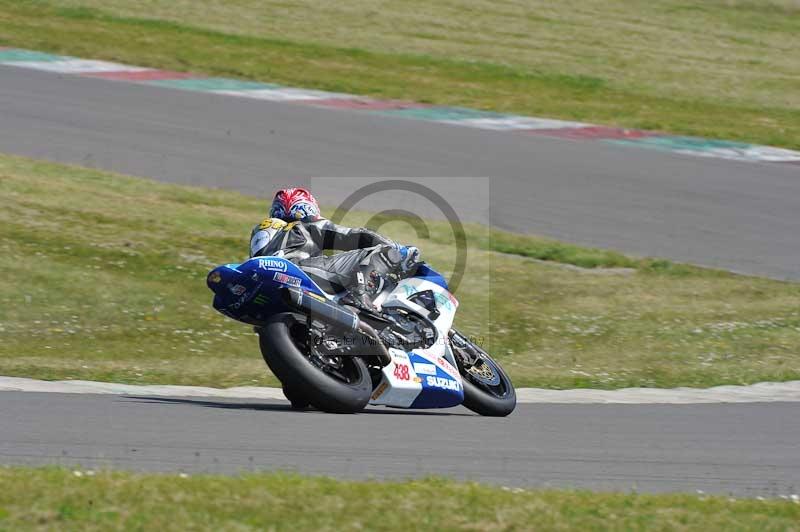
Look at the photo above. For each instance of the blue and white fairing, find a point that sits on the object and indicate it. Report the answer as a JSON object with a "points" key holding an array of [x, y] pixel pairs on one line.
{"points": [[422, 378]]}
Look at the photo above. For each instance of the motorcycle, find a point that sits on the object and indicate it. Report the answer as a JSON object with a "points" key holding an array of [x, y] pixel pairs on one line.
{"points": [[340, 358]]}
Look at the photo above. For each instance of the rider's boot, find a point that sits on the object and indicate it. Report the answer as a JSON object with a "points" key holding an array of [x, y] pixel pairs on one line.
{"points": [[371, 276], [358, 294]]}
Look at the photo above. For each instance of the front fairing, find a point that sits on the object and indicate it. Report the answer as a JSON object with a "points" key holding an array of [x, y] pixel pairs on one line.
{"points": [[422, 378]]}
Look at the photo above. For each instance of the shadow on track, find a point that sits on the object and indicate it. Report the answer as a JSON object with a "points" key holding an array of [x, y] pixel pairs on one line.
{"points": [[280, 407]]}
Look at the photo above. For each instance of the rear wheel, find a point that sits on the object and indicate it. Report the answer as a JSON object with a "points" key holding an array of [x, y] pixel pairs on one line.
{"points": [[487, 389], [296, 397], [334, 384]]}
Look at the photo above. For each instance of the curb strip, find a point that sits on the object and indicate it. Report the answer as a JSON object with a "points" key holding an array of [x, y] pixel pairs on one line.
{"points": [[764, 392], [455, 116]]}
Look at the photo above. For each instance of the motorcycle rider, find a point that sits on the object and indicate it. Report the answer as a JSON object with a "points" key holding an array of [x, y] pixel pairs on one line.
{"points": [[296, 231]]}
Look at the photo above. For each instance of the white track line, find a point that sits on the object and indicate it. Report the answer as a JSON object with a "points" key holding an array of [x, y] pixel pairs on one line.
{"points": [[515, 122], [755, 393], [91, 387], [76, 66]]}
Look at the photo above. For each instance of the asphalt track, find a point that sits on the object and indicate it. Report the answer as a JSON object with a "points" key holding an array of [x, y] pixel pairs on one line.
{"points": [[735, 215], [745, 450], [740, 216]]}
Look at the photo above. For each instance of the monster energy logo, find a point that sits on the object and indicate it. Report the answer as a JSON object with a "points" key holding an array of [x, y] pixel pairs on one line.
{"points": [[260, 299]]}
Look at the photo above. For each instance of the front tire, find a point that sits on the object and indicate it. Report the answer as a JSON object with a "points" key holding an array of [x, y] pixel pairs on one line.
{"points": [[485, 404], [487, 389], [284, 344]]}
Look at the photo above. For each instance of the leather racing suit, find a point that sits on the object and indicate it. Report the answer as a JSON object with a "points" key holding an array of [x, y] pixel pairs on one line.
{"points": [[366, 257]]}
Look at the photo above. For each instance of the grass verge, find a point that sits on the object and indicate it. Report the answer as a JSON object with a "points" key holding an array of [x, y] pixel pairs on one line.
{"points": [[52, 498], [723, 69], [104, 279]]}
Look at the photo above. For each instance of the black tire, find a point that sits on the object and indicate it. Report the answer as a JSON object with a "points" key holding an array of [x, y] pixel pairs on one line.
{"points": [[297, 372], [496, 400], [296, 397], [485, 404]]}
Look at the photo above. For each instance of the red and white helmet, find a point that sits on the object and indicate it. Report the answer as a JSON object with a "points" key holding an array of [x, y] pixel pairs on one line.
{"points": [[294, 204]]}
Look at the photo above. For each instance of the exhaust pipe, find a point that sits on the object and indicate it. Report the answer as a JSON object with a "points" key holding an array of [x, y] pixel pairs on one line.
{"points": [[318, 307]]}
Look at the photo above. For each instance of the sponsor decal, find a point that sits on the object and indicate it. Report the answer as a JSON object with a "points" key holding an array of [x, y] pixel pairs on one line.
{"points": [[452, 299], [443, 383], [260, 300], [245, 296], [271, 223], [287, 279], [425, 369], [446, 365], [237, 289], [316, 296], [445, 301], [401, 372], [214, 277], [236, 305], [379, 390], [272, 265], [417, 380]]}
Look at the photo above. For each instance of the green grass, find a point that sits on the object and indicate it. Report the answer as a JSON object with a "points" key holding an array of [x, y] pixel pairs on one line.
{"points": [[104, 279], [58, 499], [719, 68]]}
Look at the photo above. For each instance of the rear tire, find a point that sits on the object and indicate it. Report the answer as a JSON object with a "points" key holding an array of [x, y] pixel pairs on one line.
{"points": [[345, 392], [296, 397]]}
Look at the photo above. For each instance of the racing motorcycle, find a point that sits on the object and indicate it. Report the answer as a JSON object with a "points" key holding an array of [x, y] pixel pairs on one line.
{"points": [[340, 358]]}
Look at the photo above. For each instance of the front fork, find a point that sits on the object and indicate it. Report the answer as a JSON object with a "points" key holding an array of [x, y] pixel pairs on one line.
{"points": [[465, 355]]}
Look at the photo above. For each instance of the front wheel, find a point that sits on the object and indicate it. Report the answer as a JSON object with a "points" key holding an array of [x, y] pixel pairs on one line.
{"points": [[487, 389], [333, 384]]}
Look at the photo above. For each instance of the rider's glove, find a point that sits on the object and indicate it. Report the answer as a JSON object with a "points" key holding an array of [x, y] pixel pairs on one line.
{"points": [[409, 257]]}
